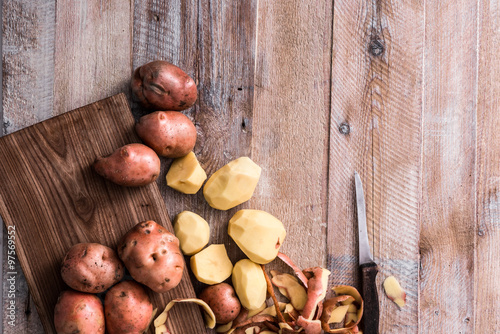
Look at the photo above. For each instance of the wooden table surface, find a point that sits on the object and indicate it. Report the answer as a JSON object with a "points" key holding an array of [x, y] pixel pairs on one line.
{"points": [[407, 93]]}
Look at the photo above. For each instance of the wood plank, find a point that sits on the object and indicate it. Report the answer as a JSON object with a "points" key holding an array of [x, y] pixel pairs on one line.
{"points": [[376, 131], [28, 62], [291, 122], [487, 261], [54, 200], [93, 52], [448, 213], [214, 42], [28, 38]]}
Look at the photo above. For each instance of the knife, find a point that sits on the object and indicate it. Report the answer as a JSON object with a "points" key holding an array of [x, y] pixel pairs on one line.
{"points": [[368, 267]]}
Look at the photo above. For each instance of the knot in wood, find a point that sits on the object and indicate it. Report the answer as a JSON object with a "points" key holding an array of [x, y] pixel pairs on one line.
{"points": [[376, 47], [344, 128]]}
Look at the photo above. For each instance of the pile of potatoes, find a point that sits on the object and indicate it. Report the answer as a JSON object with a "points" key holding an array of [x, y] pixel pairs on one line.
{"points": [[153, 259], [243, 307], [153, 256]]}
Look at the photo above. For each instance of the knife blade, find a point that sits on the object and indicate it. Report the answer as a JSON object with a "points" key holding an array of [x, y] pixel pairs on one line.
{"points": [[368, 267]]}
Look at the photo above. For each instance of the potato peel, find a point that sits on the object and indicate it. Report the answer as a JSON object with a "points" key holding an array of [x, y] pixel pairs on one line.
{"points": [[270, 290], [394, 291], [160, 321], [343, 294], [296, 270], [290, 287], [316, 291], [256, 320]]}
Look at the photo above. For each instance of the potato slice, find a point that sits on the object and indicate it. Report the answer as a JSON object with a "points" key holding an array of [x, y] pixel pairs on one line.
{"points": [[186, 175], [249, 283], [233, 184], [192, 231], [211, 265], [258, 234]]}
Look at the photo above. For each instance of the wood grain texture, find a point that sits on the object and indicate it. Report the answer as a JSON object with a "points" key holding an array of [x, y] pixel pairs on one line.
{"points": [[487, 247], [54, 200], [28, 42], [377, 93], [28, 62], [448, 213], [93, 51], [214, 42], [290, 124]]}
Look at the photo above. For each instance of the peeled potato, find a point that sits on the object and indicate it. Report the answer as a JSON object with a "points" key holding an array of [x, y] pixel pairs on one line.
{"points": [[233, 184], [211, 265], [186, 175], [258, 234], [192, 231], [249, 283]]}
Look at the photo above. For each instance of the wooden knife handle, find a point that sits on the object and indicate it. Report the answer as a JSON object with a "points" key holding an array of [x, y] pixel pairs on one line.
{"points": [[369, 273]]}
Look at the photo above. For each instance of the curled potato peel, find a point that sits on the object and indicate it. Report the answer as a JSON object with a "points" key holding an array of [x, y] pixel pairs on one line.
{"points": [[160, 321], [345, 295]]}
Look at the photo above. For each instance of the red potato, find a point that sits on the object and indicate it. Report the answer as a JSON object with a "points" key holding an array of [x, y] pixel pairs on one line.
{"points": [[132, 165], [152, 256], [170, 134], [78, 312], [91, 267], [223, 301], [160, 85], [128, 309]]}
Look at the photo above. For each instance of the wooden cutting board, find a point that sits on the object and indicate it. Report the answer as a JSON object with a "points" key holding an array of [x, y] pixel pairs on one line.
{"points": [[53, 199]]}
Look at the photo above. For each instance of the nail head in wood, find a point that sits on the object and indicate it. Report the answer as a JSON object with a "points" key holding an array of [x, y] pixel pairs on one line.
{"points": [[344, 128], [376, 47]]}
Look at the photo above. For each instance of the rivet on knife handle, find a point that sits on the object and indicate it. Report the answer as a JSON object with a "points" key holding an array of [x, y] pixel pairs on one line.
{"points": [[369, 273]]}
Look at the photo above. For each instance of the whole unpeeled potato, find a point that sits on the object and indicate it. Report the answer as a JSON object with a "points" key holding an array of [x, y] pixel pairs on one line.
{"points": [[223, 301], [160, 85], [170, 134], [128, 308], [78, 312], [131, 165], [152, 256], [91, 267]]}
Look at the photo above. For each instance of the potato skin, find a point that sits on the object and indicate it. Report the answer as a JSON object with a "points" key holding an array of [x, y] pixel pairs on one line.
{"points": [[160, 85], [170, 134], [91, 267], [128, 309], [132, 165], [78, 312], [152, 256], [223, 301]]}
